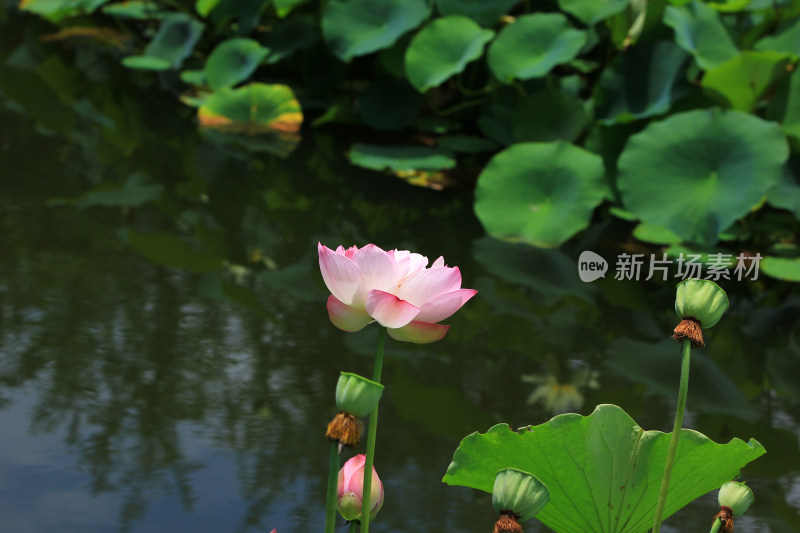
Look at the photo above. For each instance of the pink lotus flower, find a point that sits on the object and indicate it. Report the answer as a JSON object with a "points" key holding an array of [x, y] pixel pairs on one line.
{"points": [[393, 288], [351, 489]]}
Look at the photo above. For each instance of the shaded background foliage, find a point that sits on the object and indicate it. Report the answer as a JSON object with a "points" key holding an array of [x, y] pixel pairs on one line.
{"points": [[162, 316]]}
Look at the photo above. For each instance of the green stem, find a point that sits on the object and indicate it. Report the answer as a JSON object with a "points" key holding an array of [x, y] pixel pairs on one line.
{"points": [[371, 434], [333, 478], [686, 354], [353, 527], [715, 525]]}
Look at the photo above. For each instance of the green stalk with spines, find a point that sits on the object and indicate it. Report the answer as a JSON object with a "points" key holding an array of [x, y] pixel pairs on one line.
{"points": [[371, 435], [333, 478]]}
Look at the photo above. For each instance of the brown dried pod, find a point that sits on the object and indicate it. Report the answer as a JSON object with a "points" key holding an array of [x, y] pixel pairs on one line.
{"points": [[345, 428]]}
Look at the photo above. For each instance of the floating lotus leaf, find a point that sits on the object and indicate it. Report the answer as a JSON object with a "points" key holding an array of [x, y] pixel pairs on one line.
{"points": [[135, 9], [260, 116], [400, 158], [56, 10], [146, 63], [696, 173], [787, 269], [642, 82], [481, 11], [655, 234], [539, 193], [592, 11], [603, 471], [233, 61], [741, 81], [172, 44], [443, 48], [787, 39], [357, 27], [532, 45], [546, 115], [700, 32]]}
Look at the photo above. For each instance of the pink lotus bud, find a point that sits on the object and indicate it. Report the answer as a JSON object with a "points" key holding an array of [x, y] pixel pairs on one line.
{"points": [[351, 486]]}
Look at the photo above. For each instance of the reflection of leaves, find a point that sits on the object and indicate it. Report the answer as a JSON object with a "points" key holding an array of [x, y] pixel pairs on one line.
{"points": [[168, 250], [611, 468], [655, 365], [136, 191], [783, 365]]}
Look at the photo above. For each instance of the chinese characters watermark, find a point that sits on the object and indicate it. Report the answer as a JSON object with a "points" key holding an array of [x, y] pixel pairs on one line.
{"points": [[635, 267]]}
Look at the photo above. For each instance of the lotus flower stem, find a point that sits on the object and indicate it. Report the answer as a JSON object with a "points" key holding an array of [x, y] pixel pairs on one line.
{"points": [[333, 477], [354, 527], [686, 353], [715, 526], [371, 434]]}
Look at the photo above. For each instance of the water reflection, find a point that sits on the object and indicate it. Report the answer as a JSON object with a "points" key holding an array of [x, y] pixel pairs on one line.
{"points": [[167, 363]]}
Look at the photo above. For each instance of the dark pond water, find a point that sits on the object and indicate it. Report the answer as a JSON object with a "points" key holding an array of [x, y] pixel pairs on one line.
{"points": [[168, 364]]}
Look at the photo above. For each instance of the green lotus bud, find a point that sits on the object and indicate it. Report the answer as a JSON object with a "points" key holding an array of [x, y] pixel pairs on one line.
{"points": [[699, 303], [736, 496], [357, 395], [520, 493]]}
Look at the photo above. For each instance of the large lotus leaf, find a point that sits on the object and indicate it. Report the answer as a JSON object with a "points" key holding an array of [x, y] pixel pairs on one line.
{"points": [[785, 268], [700, 32], [136, 9], [260, 116], [592, 11], [786, 193], [510, 116], [400, 158], [56, 10], [389, 104], [785, 40], [357, 27], [741, 81], [284, 7], [443, 48], [481, 11], [696, 173], [532, 45], [539, 193], [603, 471], [642, 82], [175, 39], [232, 61]]}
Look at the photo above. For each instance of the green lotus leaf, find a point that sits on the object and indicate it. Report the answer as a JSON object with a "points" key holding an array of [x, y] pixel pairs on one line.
{"points": [[700, 32], [135, 9], [546, 115], [539, 193], [233, 61], [696, 173], [260, 116], [787, 39], [442, 49], [193, 77], [532, 45], [730, 6], [175, 40], [400, 158], [146, 63], [483, 12], [642, 82], [787, 269], [358, 27], [284, 7], [591, 11], [786, 193], [56, 10], [741, 81], [389, 104], [655, 234], [204, 7], [603, 471]]}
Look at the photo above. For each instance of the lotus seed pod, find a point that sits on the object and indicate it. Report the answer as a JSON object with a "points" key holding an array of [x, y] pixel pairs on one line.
{"points": [[357, 395], [520, 493], [701, 299], [737, 496]]}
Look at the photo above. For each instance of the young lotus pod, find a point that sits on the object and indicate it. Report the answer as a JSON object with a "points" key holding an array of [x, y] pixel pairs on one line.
{"points": [[699, 303], [517, 496], [734, 499], [356, 397]]}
